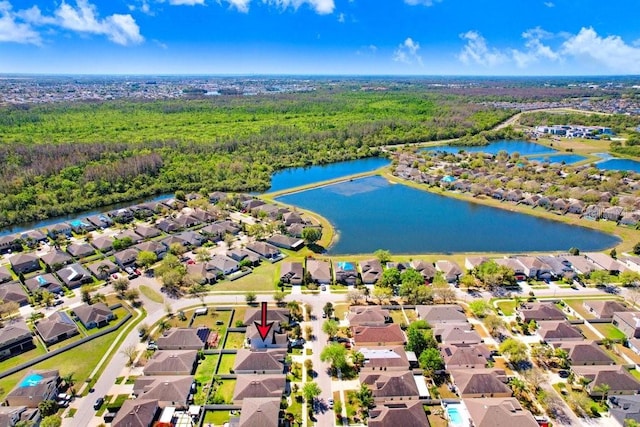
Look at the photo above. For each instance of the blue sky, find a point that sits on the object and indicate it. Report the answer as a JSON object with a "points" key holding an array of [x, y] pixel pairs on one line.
{"points": [[412, 37]]}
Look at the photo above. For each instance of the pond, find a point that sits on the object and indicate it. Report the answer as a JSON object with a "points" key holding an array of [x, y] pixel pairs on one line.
{"points": [[558, 158], [619, 164], [372, 213], [510, 146], [296, 177]]}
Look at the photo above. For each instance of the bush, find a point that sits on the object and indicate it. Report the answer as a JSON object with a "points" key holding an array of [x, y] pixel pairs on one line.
{"points": [[595, 411], [239, 324]]}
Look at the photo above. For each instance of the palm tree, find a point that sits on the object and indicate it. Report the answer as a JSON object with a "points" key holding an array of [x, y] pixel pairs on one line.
{"points": [[518, 386], [602, 388], [103, 271], [294, 309], [69, 380], [163, 325]]}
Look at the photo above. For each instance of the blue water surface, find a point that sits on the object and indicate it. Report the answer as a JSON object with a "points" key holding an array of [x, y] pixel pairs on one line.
{"points": [[510, 146], [559, 158], [371, 213]]}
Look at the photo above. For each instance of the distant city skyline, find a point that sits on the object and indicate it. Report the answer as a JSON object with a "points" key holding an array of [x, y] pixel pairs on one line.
{"points": [[320, 37]]}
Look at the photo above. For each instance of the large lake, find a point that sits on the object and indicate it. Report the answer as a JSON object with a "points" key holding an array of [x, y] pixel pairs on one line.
{"points": [[558, 158], [510, 146], [371, 213], [619, 164], [287, 178]]}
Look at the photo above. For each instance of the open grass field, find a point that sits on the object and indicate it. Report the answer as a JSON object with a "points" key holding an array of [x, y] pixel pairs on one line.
{"points": [[263, 278]]}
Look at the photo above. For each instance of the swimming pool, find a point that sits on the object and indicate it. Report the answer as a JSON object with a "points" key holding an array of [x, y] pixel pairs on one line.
{"points": [[454, 416], [31, 380]]}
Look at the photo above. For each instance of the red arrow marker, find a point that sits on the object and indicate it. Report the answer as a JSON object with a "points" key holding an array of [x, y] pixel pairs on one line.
{"points": [[264, 327]]}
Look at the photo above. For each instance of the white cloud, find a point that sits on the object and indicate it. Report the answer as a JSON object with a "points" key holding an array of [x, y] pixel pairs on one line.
{"points": [[341, 18], [611, 52], [549, 4], [13, 31], [407, 52], [536, 50], [476, 51], [421, 2], [240, 5], [186, 2], [321, 7], [120, 29]]}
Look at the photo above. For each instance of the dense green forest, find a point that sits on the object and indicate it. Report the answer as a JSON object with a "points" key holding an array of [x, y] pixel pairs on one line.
{"points": [[60, 159]]}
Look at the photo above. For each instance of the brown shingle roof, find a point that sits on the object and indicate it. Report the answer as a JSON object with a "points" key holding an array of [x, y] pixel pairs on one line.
{"points": [[389, 333], [268, 385], [390, 384], [171, 362], [481, 381], [136, 413], [499, 412], [405, 414]]}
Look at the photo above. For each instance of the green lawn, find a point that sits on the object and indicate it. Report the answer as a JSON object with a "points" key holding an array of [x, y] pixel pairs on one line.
{"points": [[262, 278], [234, 340], [226, 363], [18, 359], [397, 317], [238, 314], [508, 307], [151, 294], [203, 375], [226, 390], [296, 407], [609, 331], [578, 306], [216, 418]]}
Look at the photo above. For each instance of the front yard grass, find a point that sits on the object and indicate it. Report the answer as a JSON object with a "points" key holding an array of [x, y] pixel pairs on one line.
{"points": [[151, 294], [507, 307], [262, 278], [226, 363], [609, 331]]}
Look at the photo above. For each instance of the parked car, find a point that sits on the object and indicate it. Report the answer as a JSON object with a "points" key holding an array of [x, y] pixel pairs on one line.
{"points": [[563, 374], [98, 403], [330, 402]]}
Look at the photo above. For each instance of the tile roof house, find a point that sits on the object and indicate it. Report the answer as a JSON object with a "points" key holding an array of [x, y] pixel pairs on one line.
{"points": [[126, 258], [617, 378], [183, 339], [94, 316], [56, 259], [266, 251], [292, 273], [367, 315], [136, 413], [604, 309], [80, 250], [558, 330], [250, 386], [320, 271], [24, 263], [450, 270], [103, 243], [384, 358], [147, 231], [628, 322], [540, 311], [405, 414], [487, 382], [173, 390], [451, 333], [172, 362], [13, 292], [223, 264], [585, 353], [499, 412], [389, 334], [74, 275], [15, 337], [33, 388], [103, 268], [370, 271], [390, 385], [56, 327], [258, 412], [465, 356], [441, 313], [269, 361], [152, 246]]}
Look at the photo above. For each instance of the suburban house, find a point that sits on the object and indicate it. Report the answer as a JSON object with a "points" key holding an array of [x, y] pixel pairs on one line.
{"points": [[103, 243], [441, 313], [24, 263], [61, 228], [56, 259], [10, 416], [320, 271], [174, 390], [389, 334], [450, 270], [175, 240], [368, 315], [191, 239], [33, 236], [625, 407], [535, 268], [5, 275], [269, 361], [200, 273], [607, 263], [10, 243], [465, 356], [187, 221], [491, 412], [13, 292], [290, 218], [100, 221], [370, 271], [74, 275], [628, 322], [384, 358], [15, 338], [604, 309], [94, 316], [485, 382], [103, 268], [558, 330], [258, 412], [172, 362], [213, 232], [560, 268], [274, 339], [474, 261], [57, 327], [426, 269], [266, 251], [582, 265], [540, 311], [286, 242], [129, 234], [223, 264], [391, 385], [33, 388], [619, 380], [126, 258], [585, 353], [514, 265], [452, 333], [136, 413], [184, 339], [80, 250], [346, 273], [167, 225], [250, 386], [243, 254], [279, 315], [152, 246], [292, 273], [405, 414]]}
